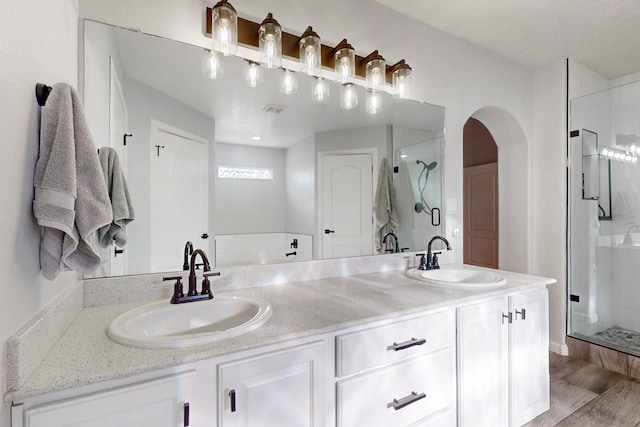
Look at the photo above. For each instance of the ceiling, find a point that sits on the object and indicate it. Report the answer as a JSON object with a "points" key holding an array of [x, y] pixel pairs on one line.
{"points": [[604, 35]]}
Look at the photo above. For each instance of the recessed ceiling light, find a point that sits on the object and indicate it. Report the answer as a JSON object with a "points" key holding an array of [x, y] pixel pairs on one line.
{"points": [[256, 137]]}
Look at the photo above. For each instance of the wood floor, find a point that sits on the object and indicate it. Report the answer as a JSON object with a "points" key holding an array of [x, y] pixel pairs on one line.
{"points": [[583, 394]]}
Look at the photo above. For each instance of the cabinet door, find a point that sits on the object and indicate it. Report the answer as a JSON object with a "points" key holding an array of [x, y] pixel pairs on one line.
{"points": [[529, 356], [483, 377], [157, 403], [283, 388]]}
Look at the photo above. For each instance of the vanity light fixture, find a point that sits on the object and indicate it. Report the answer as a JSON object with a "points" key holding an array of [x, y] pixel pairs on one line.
{"points": [[375, 71], [212, 65], [401, 79], [310, 52], [373, 102], [288, 82], [345, 62], [630, 156], [254, 74], [348, 96], [270, 42], [224, 28], [320, 90]]}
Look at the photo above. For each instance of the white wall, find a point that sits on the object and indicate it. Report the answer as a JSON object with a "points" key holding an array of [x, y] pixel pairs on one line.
{"points": [[249, 205], [300, 187], [38, 43]]}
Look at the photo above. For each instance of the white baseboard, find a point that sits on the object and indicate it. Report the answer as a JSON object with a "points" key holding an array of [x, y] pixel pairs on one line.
{"points": [[561, 349]]}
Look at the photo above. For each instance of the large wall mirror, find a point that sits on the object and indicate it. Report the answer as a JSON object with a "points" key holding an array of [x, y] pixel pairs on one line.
{"points": [[252, 175]]}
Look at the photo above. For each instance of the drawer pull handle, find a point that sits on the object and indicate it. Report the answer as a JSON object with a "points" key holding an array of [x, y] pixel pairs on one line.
{"points": [[406, 401], [404, 345], [522, 313], [232, 399]]}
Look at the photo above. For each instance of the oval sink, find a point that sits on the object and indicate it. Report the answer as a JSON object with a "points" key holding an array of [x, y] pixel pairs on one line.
{"points": [[164, 325], [458, 277]]}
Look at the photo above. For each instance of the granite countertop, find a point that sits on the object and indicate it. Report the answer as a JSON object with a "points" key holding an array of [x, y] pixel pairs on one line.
{"points": [[85, 354]]}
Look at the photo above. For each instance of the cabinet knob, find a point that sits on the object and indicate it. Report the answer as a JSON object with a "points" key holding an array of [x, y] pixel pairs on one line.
{"points": [[522, 313]]}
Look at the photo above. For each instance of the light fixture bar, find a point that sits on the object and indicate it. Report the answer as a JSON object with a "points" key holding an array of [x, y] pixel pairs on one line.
{"points": [[248, 36]]}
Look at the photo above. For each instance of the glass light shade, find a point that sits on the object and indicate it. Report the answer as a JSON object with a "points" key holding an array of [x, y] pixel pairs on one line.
{"points": [[345, 62], [212, 64], [375, 72], [348, 96], [310, 52], [320, 90], [270, 42], [254, 74], [288, 82], [224, 28], [373, 102], [401, 80]]}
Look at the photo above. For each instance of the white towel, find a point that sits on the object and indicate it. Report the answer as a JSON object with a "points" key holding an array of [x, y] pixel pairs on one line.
{"points": [[386, 219], [122, 209], [71, 200]]}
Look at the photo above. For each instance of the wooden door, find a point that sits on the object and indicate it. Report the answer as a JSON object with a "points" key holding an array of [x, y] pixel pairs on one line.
{"points": [[481, 227], [347, 205]]}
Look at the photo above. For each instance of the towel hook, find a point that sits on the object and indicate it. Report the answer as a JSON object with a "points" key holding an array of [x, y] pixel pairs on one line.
{"points": [[42, 93]]}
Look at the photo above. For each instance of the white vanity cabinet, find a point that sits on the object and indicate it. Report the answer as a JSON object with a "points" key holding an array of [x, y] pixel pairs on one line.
{"points": [[503, 360], [162, 402], [280, 388], [398, 374]]}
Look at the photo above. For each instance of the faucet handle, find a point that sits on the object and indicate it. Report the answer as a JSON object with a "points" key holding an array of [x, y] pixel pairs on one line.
{"points": [[206, 284], [177, 288]]}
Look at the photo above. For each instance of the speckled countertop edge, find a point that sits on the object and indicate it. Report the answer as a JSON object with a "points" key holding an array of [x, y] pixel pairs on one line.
{"points": [[85, 355]]}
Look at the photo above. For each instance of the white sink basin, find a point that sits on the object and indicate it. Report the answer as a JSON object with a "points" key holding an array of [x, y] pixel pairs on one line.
{"points": [[164, 325], [458, 277]]}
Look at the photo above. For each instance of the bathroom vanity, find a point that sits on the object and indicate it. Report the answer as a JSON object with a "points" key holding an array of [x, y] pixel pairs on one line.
{"points": [[379, 349]]}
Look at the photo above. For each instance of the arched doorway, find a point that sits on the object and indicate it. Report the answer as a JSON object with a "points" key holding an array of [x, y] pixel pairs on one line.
{"points": [[481, 227], [514, 216]]}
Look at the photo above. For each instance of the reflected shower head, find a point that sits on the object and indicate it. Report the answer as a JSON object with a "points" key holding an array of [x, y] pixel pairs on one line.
{"points": [[429, 166]]}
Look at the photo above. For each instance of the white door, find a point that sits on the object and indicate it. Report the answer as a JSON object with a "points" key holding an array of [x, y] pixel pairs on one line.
{"points": [[283, 388], [117, 128], [483, 364], [347, 205], [529, 356], [179, 195]]}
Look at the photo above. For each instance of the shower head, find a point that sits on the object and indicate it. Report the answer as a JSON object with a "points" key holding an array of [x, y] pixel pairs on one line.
{"points": [[429, 166]]}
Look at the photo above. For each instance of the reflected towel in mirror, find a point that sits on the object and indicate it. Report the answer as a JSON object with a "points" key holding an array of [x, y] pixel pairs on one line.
{"points": [[386, 217], [121, 206]]}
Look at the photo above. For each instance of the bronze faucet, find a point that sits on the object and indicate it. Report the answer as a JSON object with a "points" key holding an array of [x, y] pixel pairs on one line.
{"points": [[431, 263], [192, 294]]}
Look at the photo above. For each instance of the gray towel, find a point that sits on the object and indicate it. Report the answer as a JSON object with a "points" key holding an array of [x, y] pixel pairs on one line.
{"points": [[122, 209], [386, 218], [71, 201]]}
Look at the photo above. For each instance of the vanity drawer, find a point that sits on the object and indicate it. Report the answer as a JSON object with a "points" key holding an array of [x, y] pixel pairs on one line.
{"points": [[368, 399], [373, 347]]}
